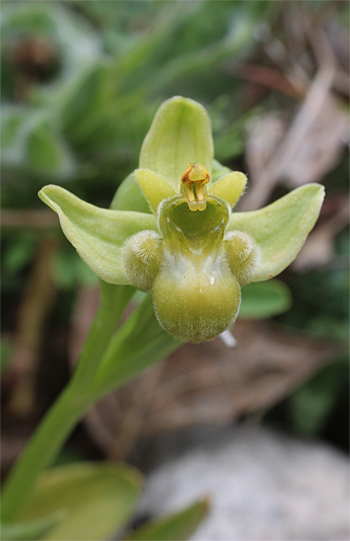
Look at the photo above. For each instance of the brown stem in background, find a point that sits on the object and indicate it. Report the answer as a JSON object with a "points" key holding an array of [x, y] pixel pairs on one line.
{"points": [[31, 219], [36, 304], [288, 149], [271, 78]]}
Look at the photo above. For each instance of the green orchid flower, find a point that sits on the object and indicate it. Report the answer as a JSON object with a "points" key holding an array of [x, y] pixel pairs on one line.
{"points": [[170, 231]]}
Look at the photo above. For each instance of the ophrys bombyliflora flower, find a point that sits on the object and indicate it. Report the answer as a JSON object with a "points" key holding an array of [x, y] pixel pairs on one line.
{"points": [[188, 249]]}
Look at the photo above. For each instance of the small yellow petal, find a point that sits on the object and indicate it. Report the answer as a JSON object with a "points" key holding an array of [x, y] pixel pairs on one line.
{"points": [[154, 187], [230, 187]]}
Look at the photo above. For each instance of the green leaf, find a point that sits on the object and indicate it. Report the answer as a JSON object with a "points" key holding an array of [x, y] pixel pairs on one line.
{"points": [[98, 499], [97, 234], [30, 139], [263, 300], [311, 404], [31, 530], [69, 271], [281, 228], [180, 134], [138, 344], [48, 153], [177, 527], [19, 254]]}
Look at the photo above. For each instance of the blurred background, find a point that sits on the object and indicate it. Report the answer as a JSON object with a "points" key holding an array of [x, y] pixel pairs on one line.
{"points": [[80, 83]]}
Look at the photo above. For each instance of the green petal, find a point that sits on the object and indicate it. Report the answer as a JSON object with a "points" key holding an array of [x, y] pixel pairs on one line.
{"points": [[281, 228], [97, 234], [180, 134], [154, 187], [230, 187]]}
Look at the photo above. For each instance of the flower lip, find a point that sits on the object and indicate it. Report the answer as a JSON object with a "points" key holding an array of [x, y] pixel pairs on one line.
{"points": [[174, 213], [193, 188]]}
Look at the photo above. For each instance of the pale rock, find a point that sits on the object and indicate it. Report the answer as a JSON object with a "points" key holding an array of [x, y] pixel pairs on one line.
{"points": [[263, 485]]}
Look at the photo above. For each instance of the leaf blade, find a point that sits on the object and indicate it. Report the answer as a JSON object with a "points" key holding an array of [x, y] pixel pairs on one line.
{"points": [[177, 527], [30, 530], [263, 300], [98, 499], [139, 343]]}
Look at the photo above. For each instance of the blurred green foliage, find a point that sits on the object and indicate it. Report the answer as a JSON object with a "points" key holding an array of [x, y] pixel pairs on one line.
{"points": [[82, 80], [80, 83], [92, 501], [262, 300], [179, 526], [312, 404]]}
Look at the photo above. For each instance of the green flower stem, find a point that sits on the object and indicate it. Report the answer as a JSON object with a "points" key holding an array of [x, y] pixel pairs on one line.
{"points": [[113, 300], [43, 447], [106, 363], [70, 406]]}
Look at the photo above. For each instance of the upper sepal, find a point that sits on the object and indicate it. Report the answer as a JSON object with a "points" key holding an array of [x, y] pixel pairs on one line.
{"points": [[180, 133], [97, 234], [280, 229]]}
